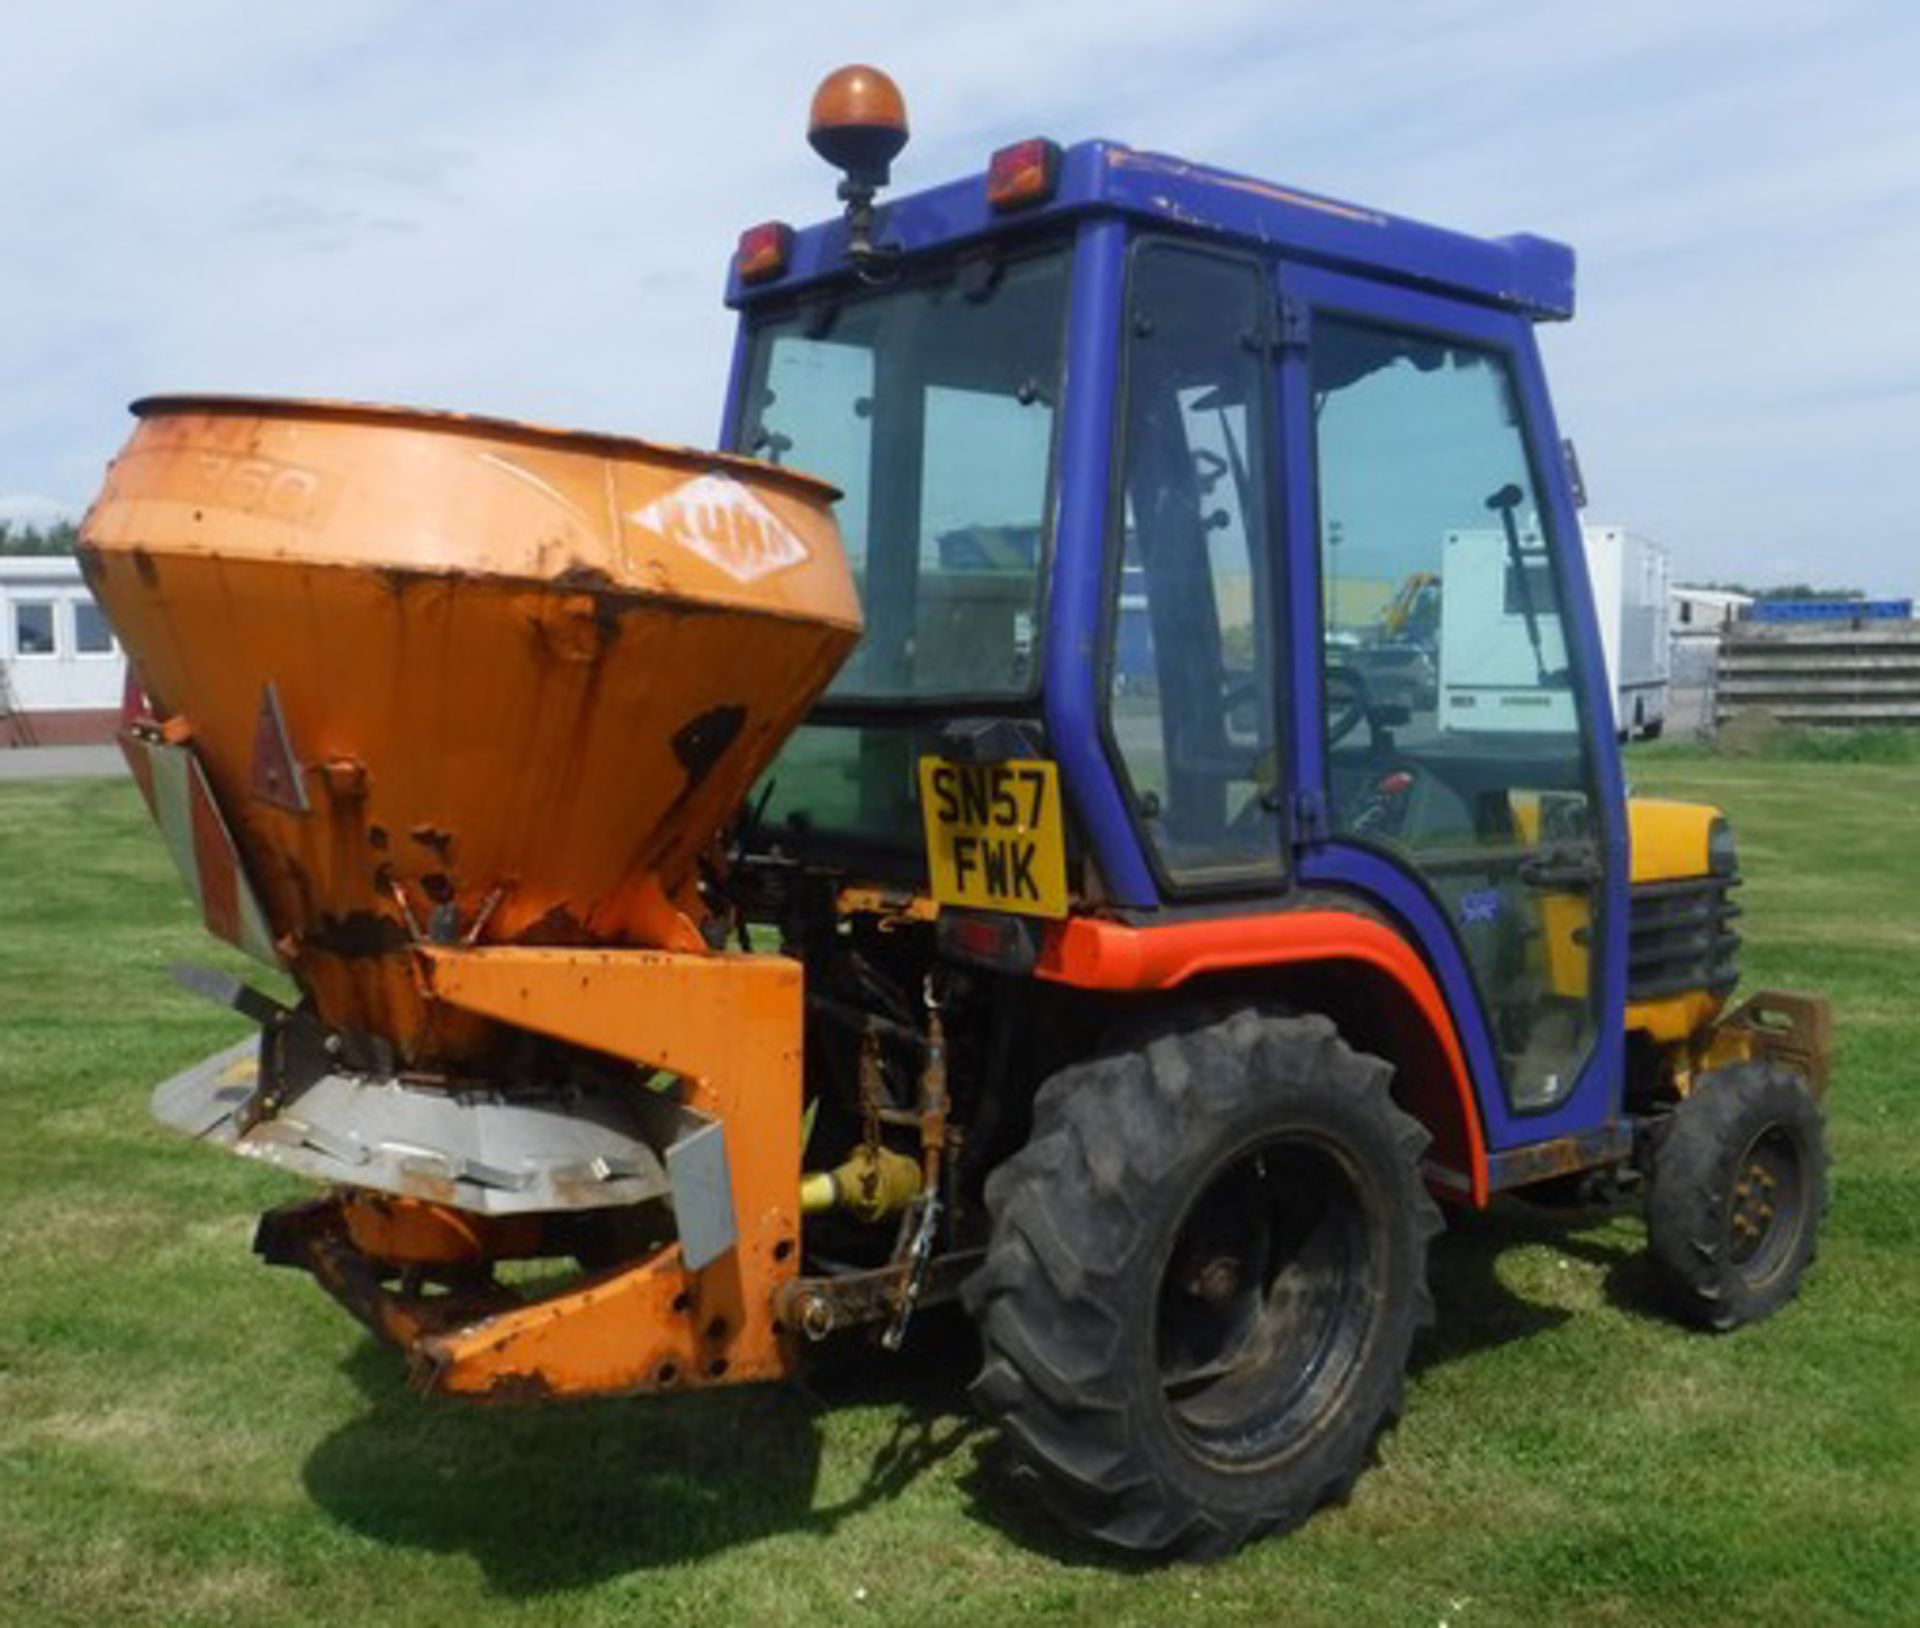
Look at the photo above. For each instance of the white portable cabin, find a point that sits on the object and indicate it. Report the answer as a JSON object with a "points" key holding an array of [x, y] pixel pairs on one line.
{"points": [[1490, 677], [1630, 578], [1704, 613], [61, 670]]}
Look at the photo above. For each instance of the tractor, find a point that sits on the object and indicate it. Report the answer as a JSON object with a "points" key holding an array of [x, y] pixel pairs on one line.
{"points": [[951, 845]]}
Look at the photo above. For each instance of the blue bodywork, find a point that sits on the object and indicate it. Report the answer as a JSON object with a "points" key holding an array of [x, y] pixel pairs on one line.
{"points": [[1523, 273], [1322, 254]]}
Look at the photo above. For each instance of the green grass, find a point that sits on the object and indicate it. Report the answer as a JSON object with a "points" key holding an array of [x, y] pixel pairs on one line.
{"points": [[186, 1436], [1759, 738]]}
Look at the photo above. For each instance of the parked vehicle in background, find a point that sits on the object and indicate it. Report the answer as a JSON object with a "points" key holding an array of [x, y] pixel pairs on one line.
{"points": [[1503, 651], [1630, 576]]}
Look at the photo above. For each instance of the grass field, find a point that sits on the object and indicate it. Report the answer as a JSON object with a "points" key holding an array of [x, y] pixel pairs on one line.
{"points": [[186, 1436]]}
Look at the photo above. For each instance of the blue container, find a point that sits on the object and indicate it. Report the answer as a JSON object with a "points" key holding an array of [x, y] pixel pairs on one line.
{"points": [[1830, 610]]}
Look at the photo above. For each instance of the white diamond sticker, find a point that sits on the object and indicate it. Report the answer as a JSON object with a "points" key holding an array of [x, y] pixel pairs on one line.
{"points": [[726, 525]]}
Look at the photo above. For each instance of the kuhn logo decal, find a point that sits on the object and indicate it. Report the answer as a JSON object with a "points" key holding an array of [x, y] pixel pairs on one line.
{"points": [[725, 524]]}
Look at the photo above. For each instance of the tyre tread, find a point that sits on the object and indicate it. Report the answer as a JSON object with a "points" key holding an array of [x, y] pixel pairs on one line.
{"points": [[1069, 1225], [1686, 1195]]}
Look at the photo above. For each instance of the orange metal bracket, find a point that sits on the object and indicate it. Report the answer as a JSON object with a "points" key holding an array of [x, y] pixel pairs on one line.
{"points": [[1094, 954], [730, 1026]]}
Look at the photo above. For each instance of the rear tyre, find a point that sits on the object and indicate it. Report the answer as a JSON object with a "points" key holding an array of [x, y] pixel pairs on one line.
{"points": [[1205, 1273], [1737, 1193]]}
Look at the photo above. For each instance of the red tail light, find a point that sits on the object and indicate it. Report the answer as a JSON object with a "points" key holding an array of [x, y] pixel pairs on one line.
{"points": [[1005, 943], [763, 252], [1024, 174]]}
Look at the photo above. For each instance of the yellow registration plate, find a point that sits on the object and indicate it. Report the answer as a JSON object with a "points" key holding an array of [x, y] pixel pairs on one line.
{"points": [[995, 836]]}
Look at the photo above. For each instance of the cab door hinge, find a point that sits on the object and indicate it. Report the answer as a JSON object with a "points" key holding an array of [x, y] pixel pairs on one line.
{"points": [[1308, 819], [1290, 325]]}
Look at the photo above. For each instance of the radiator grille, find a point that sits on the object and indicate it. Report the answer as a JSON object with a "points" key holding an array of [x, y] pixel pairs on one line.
{"points": [[1679, 937]]}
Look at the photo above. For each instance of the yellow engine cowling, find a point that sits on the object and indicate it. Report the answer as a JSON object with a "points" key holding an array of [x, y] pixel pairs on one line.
{"points": [[1680, 852], [1681, 874]]}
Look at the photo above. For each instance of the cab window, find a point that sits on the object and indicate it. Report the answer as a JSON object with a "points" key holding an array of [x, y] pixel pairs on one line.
{"points": [[1452, 726], [1190, 677]]}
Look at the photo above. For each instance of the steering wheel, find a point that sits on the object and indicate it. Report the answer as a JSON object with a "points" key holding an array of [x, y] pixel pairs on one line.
{"points": [[1347, 702], [1238, 693]]}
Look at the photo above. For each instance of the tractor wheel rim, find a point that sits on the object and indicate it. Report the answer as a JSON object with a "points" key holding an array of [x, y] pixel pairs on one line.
{"points": [[1766, 1206], [1266, 1302]]}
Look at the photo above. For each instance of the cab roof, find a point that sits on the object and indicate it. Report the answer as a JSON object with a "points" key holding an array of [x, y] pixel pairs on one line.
{"points": [[1523, 273]]}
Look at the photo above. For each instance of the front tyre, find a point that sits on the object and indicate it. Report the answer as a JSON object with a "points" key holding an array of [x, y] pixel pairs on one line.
{"points": [[1736, 1194], [1205, 1273]]}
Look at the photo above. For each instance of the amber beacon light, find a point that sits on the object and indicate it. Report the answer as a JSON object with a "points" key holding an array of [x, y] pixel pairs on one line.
{"points": [[858, 124]]}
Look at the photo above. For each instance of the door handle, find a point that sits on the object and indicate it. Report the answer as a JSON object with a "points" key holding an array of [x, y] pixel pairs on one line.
{"points": [[1562, 871]]}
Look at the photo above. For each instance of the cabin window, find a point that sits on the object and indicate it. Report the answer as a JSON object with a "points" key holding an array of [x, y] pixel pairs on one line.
{"points": [[33, 627], [91, 634]]}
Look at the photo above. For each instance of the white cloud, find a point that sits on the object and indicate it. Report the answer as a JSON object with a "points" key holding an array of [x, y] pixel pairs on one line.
{"points": [[528, 210]]}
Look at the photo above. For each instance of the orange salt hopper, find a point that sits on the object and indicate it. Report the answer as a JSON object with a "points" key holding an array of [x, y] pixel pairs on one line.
{"points": [[455, 678], [444, 714]]}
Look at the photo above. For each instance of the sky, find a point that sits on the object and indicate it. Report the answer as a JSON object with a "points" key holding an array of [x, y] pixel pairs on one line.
{"points": [[528, 208]]}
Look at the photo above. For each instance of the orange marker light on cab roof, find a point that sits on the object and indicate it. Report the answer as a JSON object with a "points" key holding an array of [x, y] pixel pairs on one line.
{"points": [[763, 252], [1024, 174], [858, 122]]}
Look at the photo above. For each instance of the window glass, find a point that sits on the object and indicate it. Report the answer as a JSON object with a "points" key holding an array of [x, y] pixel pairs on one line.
{"points": [[33, 627], [931, 405], [856, 783], [1453, 735], [822, 393], [91, 635], [1190, 685]]}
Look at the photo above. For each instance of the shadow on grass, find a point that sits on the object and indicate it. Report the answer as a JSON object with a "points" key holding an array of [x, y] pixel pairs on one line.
{"points": [[1476, 1312], [556, 1497]]}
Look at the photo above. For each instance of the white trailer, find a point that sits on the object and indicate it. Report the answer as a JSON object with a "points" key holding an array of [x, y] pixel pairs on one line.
{"points": [[1503, 654], [1630, 576], [1490, 675]]}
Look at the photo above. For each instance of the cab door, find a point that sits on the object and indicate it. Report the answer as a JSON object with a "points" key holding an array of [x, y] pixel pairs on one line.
{"points": [[1452, 727]]}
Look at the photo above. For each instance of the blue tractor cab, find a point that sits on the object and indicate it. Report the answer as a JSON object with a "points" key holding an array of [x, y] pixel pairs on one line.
{"points": [[1228, 767]]}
